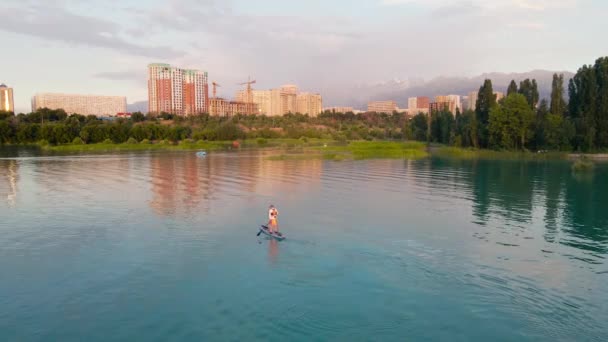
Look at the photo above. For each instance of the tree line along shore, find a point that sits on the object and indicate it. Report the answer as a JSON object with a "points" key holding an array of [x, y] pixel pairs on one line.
{"points": [[520, 122]]}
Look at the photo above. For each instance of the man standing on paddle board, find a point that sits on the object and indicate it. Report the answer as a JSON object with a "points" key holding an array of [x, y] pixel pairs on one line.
{"points": [[273, 225]]}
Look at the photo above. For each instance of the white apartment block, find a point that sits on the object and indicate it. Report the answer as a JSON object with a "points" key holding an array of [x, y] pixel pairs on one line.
{"points": [[311, 104], [81, 104], [412, 103], [382, 106]]}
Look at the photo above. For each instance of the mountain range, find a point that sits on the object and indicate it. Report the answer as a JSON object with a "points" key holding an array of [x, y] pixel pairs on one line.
{"points": [[400, 90]]}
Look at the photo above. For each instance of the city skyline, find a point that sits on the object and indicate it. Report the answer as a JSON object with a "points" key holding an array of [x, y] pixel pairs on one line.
{"points": [[327, 46]]}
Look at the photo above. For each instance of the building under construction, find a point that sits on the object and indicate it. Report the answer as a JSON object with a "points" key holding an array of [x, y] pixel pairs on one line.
{"points": [[222, 107]]}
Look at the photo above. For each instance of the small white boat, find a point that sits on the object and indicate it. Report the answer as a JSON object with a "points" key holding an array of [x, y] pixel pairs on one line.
{"points": [[201, 154]]}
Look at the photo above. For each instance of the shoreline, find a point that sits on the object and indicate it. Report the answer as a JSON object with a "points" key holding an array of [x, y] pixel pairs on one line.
{"points": [[325, 149]]}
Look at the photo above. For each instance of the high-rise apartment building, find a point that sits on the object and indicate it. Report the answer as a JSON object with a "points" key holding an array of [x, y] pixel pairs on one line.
{"points": [[6, 99], [261, 98], [422, 102], [472, 102], [382, 106], [412, 103], [453, 102], [438, 106], [289, 94], [177, 91], [472, 99], [417, 105], [311, 104], [283, 100], [81, 104]]}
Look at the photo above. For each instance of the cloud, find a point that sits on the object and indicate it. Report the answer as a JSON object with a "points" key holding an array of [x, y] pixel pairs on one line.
{"points": [[534, 26], [536, 5], [59, 24], [121, 75]]}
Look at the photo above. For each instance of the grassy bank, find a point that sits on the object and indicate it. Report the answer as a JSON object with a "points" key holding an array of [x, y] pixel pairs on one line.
{"points": [[184, 145], [109, 147], [327, 149], [469, 153], [358, 150]]}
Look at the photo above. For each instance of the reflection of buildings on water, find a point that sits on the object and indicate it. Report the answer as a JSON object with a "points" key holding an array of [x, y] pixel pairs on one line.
{"points": [[181, 184], [9, 176], [289, 177], [176, 184]]}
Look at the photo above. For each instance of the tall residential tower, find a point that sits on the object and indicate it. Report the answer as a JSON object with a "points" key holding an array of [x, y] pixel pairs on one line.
{"points": [[177, 91], [6, 99]]}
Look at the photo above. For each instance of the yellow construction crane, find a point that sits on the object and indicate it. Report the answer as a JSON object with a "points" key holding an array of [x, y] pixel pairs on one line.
{"points": [[249, 100], [214, 86]]}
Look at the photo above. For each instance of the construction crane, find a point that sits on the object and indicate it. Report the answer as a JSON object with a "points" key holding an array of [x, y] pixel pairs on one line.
{"points": [[214, 86], [249, 97]]}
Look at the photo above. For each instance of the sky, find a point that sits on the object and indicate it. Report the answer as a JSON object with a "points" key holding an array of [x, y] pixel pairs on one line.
{"points": [[330, 46]]}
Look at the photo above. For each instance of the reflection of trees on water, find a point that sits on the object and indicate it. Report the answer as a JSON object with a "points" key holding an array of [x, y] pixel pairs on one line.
{"points": [[574, 213], [9, 176]]}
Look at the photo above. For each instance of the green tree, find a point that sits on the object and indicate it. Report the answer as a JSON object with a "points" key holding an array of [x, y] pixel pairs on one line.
{"points": [[540, 126], [511, 123], [601, 72], [512, 88], [138, 117], [6, 132], [558, 104], [486, 100], [418, 126], [529, 89]]}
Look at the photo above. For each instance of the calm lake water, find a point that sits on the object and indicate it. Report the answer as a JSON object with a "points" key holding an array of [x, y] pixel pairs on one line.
{"points": [[162, 246]]}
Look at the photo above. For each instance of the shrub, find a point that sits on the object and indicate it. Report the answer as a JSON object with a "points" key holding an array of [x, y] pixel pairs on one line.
{"points": [[262, 141], [131, 141], [583, 165], [43, 142], [186, 142], [77, 141], [145, 141], [108, 141]]}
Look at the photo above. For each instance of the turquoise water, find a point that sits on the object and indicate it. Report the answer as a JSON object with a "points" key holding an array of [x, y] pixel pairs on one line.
{"points": [[162, 246]]}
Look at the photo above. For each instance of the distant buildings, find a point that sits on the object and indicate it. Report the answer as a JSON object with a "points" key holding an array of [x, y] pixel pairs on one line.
{"points": [[339, 109], [177, 91], [417, 105], [221, 107], [439, 106], [499, 95], [283, 100], [382, 106], [307, 103], [6, 99], [472, 99], [81, 104], [449, 102], [261, 98]]}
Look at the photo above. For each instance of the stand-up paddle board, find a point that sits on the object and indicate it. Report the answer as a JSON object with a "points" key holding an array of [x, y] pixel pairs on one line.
{"points": [[278, 236]]}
